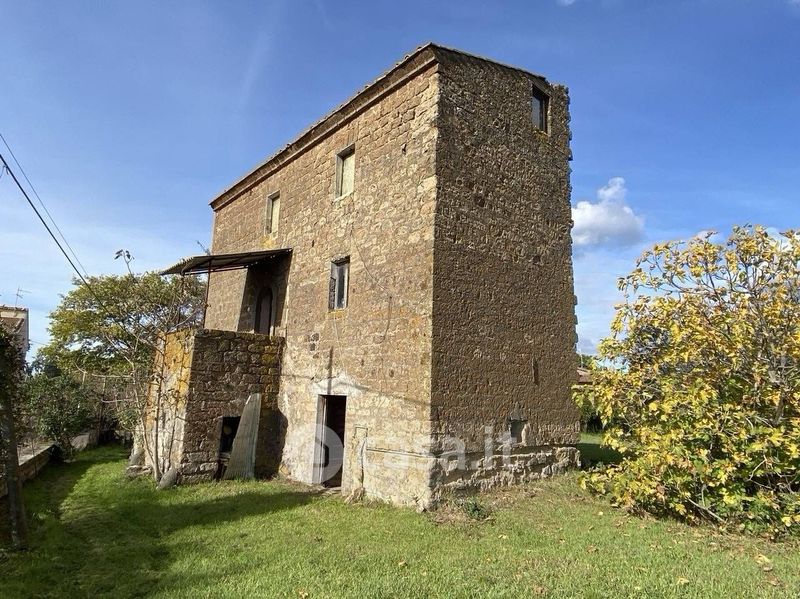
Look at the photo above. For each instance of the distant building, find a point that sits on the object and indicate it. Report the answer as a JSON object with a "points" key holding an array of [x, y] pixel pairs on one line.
{"points": [[15, 320], [400, 273]]}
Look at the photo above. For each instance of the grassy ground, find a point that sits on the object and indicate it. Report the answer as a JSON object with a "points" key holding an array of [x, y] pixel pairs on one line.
{"points": [[592, 453], [97, 534]]}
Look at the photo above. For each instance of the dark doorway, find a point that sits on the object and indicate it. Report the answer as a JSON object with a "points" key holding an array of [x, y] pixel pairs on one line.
{"points": [[230, 426], [335, 407], [263, 323]]}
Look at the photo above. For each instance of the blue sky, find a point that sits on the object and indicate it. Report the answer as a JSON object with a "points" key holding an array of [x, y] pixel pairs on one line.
{"points": [[130, 116]]}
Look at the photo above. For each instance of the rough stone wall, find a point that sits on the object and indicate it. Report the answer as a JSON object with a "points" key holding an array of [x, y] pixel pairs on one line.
{"points": [[503, 320], [203, 376], [461, 304], [30, 465], [227, 367], [377, 350], [166, 401]]}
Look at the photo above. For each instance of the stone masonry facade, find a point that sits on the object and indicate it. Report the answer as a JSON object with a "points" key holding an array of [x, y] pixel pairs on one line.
{"points": [[202, 377], [458, 334], [503, 307]]}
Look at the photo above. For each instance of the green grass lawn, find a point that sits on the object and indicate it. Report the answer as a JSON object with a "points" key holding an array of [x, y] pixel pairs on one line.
{"points": [[592, 453], [97, 534]]}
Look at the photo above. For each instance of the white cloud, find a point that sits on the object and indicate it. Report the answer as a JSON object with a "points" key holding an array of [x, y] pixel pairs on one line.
{"points": [[609, 221], [596, 275], [571, 2]]}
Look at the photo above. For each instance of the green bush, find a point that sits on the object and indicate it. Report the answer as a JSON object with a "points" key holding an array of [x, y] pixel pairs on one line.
{"points": [[474, 508], [591, 421], [59, 407]]}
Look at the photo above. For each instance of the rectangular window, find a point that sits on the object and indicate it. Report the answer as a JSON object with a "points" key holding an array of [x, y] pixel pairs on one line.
{"points": [[340, 278], [345, 172], [539, 115], [273, 212]]}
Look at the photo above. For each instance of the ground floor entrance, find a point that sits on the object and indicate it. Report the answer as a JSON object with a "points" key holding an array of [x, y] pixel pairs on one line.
{"points": [[329, 454]]}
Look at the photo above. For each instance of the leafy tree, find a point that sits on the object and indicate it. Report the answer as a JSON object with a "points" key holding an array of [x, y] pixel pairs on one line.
{"points": [[702, 396], [585, 360], [115, 325], [590, 418], [61, 408], [11, 370], [108, 334]]}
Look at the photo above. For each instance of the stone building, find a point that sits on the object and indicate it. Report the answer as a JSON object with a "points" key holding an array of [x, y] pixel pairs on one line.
{"points": [[400, 273], [15, 320]]}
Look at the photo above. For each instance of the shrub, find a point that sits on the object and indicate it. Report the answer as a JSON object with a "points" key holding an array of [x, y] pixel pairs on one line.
{"points": [[703, 394], [591, 421], [474, 509], [60, 408]]}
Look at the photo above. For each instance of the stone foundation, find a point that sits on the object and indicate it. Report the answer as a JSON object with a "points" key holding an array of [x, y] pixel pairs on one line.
{"points": [[523, 466]]}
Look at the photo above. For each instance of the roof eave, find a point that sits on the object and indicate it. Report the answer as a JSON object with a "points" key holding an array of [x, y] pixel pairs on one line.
{"points": [[312, 133], [296, 146]]}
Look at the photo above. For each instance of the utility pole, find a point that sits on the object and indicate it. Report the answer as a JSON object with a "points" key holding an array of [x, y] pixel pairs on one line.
{"points": [[11, 361]]}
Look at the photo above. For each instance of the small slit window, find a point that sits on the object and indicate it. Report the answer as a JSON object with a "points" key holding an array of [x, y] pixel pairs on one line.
{"points": [[273, 213], [540, 106], [515, 429], [340, 279], [345, 172]]}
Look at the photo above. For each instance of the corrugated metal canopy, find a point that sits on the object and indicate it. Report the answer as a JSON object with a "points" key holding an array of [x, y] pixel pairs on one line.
{"points": [[218, 262]]}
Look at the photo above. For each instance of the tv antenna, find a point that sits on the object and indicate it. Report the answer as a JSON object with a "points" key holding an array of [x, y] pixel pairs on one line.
{"points": [[18, 295]]}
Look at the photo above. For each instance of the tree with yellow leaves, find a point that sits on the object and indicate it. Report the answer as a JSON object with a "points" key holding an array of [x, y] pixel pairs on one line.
{"points": [[700, 384]]}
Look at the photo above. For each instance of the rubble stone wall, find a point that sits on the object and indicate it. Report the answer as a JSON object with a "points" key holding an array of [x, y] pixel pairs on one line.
{"points": [[504, 319], [166, 403], [377, 350], [205, 376], [227, 367]]}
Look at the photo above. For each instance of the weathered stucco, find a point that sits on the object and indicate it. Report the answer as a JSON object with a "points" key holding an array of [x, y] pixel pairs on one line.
{"points": [[461, 306]]}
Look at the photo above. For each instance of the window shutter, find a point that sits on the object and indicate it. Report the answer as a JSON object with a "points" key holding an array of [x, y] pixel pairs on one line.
{"points": [[332, 288], [344, 271], [348, 173]]}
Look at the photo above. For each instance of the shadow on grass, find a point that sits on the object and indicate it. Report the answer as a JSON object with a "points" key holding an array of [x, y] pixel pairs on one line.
{"points": [[45, 492], [95, 533], [59, 478], [592, 453]]}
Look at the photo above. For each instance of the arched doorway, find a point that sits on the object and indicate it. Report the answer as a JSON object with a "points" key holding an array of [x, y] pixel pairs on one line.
{"points": [[263, 323]]}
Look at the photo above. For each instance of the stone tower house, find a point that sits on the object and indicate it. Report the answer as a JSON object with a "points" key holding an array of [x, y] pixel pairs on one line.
{"points": [[400, 273]]}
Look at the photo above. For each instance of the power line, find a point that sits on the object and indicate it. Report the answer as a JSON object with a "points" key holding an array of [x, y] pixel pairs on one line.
{"points": [[50, 231], [41, 202], [102, 305]]}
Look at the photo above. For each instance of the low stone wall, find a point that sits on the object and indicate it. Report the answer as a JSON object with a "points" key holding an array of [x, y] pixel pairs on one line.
{"points": [[31, 462], [227, 367], [33, 458], [85, 440]]}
